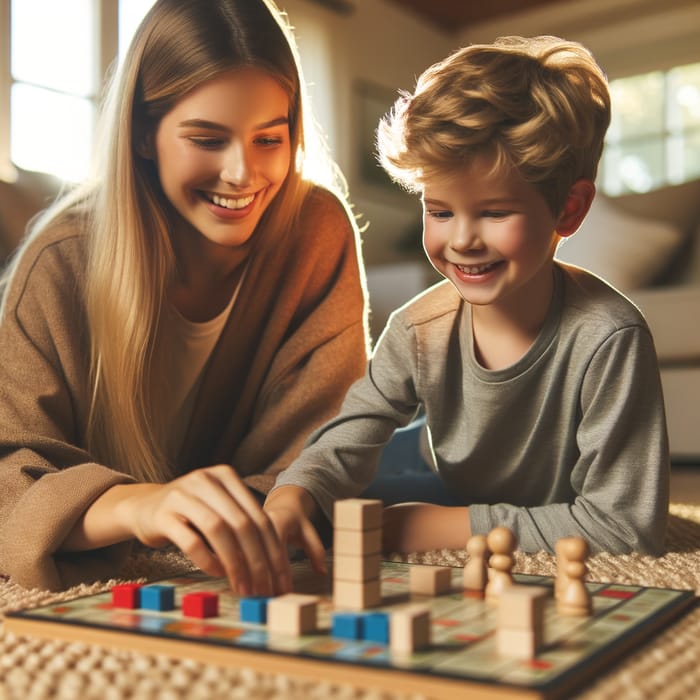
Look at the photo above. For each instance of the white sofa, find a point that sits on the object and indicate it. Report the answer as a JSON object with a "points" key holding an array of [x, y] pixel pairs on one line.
{"points": [[648, 246]]}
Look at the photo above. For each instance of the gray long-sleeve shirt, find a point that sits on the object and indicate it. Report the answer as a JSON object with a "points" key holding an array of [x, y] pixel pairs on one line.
{"points": [[569, 440]]}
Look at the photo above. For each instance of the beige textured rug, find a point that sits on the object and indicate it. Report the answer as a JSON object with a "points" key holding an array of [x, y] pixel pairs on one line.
{"points": [[667, 667]]}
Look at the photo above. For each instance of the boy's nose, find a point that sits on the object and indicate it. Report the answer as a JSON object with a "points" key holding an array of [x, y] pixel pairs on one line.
{"points": [[236, 168], [466, 236]]}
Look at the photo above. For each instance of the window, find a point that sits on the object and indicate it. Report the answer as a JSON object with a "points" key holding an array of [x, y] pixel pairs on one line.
{"points": [[58, 55], [654, 136]]}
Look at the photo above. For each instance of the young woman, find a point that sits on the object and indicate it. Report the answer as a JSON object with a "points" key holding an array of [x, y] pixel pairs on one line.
{"points": [[173, 329]]}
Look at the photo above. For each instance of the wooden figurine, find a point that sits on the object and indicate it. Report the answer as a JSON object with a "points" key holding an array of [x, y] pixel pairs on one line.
{"points": [[501, 541], [476, 568], [574, 598]]}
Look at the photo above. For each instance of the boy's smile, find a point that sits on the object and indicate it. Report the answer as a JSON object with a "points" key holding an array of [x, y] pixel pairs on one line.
{"points": [[492, 235]]}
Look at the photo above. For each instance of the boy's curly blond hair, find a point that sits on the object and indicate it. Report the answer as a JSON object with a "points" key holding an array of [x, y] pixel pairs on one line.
{"points": [[538, 104]]}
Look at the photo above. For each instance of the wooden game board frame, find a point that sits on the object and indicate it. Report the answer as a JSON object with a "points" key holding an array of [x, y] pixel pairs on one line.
{"points": [[430, 684]]}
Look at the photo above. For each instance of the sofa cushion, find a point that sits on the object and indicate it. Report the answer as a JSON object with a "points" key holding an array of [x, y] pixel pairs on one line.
{"points": [[672, 315], [393, 284], [628, 251]]}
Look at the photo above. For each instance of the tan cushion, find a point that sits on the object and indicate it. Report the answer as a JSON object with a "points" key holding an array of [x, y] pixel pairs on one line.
{"points": [[19, 202], [626, 250], [673, 314]]}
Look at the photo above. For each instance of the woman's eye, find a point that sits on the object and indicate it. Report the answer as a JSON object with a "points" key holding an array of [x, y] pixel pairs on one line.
{"points": [[208, 143], [268, 140]]}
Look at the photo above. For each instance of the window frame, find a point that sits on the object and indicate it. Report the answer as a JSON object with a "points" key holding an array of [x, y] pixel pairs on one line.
{"points": [[663, 137], [107, 30]]}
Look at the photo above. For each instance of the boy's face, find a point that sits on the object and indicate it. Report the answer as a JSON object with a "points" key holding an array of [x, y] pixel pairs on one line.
{"points": [[492, 235]]}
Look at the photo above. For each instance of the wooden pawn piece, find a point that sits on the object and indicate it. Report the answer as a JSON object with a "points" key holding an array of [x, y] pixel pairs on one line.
{"points": [[575, 599], [476, 569], [560, 579], [501, 541]]}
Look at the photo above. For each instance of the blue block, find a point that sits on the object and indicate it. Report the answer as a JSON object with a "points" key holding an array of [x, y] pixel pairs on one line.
{"points": [[158, 597], [254, 609], [347, 625], [376, 628]]}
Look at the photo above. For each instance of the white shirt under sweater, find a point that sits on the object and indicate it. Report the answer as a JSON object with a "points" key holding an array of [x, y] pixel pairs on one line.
{"points": [[569, 440], [190, 345]]}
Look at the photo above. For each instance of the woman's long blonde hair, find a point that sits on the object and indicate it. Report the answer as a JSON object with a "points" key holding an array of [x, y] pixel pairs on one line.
{"points": [[179, 45]]}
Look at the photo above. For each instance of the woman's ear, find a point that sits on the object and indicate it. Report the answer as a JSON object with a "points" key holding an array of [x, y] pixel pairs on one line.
{"points": [[143, 141], [577, 204]]}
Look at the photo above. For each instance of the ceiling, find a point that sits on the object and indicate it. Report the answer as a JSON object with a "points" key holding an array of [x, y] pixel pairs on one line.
{"points": [[453, 15]]}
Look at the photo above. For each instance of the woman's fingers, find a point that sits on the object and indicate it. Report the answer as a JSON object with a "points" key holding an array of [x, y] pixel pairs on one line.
{"points": [[227, 529], [266, 556], [192, 543]]}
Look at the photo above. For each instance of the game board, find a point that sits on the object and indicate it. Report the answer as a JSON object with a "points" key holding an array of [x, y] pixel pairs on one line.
{"points": [[460, 660]]}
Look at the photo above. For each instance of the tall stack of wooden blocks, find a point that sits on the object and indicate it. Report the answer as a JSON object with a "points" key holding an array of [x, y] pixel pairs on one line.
{"points": [[357, 545]]}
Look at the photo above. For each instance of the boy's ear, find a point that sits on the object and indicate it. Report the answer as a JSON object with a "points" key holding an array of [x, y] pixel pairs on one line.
{"points": [[577, 204]]}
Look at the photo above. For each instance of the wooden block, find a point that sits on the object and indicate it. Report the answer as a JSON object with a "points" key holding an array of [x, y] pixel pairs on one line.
{"points": [[352, 567], [200, 604], [292, 613], [409, 629], [376, 627], [253, 609], [430, 580], [127, 595], [347, 625], [358, 514], [357, 595], [158, 597], [357, 542], [522, 607], [518, 643]]}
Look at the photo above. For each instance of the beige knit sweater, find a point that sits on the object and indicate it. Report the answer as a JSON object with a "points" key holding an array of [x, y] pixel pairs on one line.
{"points": [[295, 340]]}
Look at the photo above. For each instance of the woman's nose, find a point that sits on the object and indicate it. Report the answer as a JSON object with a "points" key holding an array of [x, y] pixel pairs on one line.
{"points": [[236, 168]]}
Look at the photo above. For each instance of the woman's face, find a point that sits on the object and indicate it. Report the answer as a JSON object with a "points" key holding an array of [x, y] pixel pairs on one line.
{"points": [[223, 152]]}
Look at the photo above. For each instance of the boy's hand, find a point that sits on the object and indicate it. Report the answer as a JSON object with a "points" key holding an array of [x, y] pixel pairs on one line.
{"points": [[290, 508], [421, 527]]}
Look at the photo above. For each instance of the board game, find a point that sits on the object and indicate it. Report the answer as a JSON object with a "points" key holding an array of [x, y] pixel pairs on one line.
{"points": [[460, 659]]}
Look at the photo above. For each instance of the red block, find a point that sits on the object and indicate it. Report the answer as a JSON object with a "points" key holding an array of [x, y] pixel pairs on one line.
{"points": [[126, 595], [200, 604]]}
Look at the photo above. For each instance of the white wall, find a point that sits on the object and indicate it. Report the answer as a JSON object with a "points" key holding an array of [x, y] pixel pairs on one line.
{"points": [[381, 44], [625, 36], [376, 43]]}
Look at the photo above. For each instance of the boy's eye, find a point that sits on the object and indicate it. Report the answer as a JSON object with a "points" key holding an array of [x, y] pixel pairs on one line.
{"points": [[495, 214], [441, 214]]}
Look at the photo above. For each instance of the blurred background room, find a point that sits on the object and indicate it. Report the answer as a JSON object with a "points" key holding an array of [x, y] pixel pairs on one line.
{"points": [[643, 232]]}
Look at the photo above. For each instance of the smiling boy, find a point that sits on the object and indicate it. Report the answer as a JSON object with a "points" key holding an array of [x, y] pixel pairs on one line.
{"points": [[538, 380]]}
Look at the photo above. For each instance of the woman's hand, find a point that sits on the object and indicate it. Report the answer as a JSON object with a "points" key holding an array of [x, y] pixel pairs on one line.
{"points": [[209, 513], [290, 508], [421, 527]]}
